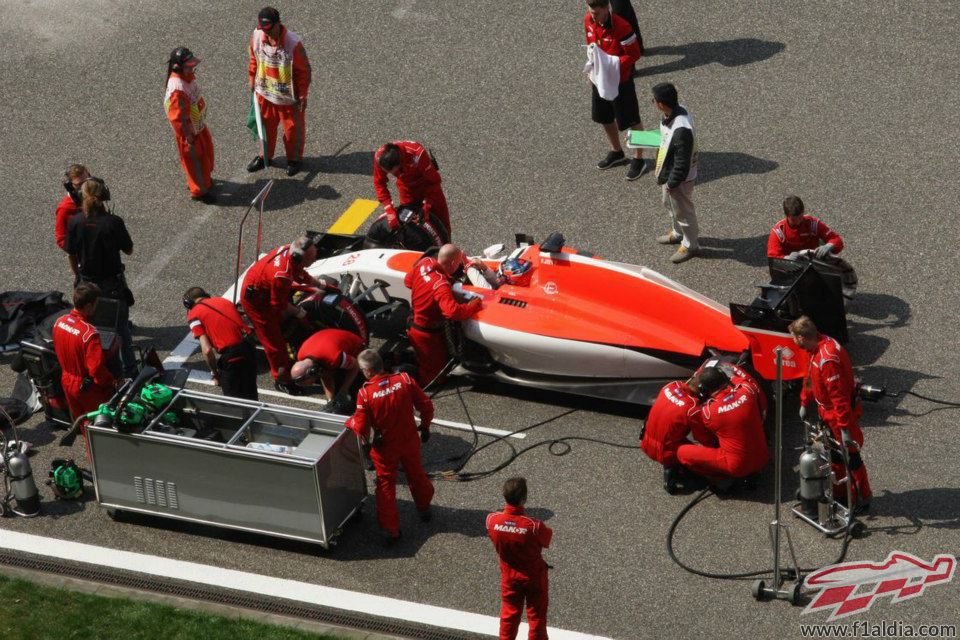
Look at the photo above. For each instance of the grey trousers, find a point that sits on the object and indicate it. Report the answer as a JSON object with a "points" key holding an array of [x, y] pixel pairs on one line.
{"points": [[683, 215]]}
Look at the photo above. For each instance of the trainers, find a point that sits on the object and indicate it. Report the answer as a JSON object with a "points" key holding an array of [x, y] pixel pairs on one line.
{"points": [[289, 388], [426, 515], [391, 540], [613, 159], [637, 168], [208, 198], [256, 164], [682, 255], [670, 238], [293, 167]]}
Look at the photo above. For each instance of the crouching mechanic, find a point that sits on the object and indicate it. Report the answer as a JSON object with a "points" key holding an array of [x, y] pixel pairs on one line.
{"points": [[85, 378], [674, 414], [520, 541], [217, 325], [331, 355], [733, 414], [830, 383], [384, 419], [432, 302], [266, 301]]}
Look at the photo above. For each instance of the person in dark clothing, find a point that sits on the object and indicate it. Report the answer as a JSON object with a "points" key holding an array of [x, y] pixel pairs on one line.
{"points": [[676, 172], [624, 9], [94, 242]]}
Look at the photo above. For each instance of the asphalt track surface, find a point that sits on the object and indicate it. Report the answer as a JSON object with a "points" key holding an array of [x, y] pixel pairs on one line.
{"points": [[850, 105]]}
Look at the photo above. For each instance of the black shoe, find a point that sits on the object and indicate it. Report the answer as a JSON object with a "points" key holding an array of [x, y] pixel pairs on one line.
{"points": [[256, 164], [289, 388], [671, 479], [208, 198], [390, 541], [637, 168], [293, 167], [426, 515], [613, 159]]}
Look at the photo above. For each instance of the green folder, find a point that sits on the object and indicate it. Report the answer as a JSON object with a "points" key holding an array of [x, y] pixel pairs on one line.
{"points": [[644, 139]]}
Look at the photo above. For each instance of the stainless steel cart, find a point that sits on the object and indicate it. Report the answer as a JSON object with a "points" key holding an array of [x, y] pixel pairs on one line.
{"points": [[234, 463]]}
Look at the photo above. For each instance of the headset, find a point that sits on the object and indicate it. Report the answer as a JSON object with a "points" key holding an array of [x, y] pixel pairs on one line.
{"points": [[711, 380], [300, 246], [189, 303]]}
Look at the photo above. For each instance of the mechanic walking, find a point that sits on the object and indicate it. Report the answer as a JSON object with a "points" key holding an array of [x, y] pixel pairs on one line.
{"points": [[676, 171], [432, 302], [799, 232], [830, 383], [331, 355], [266, 301], [186, 110], [94, 242], [85, 378], [614, 36], [217, 325], [280, 77], [418, 181], [520, 541], [384, 419]]}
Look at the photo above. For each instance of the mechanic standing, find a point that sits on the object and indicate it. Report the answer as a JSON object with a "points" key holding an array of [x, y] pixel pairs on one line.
{"points": [[830, 383], [432, 302], [266, 301], [614, 36], [732, 413], [676, 171], [217, 325], [331, 355], [85, 378], [418, 181], [384, 419], [94, 242], [674, 414], [799, 232], [280, 77], [520, 541], [186, 110], [69, 206]]}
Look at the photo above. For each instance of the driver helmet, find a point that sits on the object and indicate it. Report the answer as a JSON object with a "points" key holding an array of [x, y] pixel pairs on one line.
{"points": [[516, 271]]}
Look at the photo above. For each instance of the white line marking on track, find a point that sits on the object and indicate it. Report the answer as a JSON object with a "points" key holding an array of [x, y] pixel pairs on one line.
{"points": [[266, 585]]}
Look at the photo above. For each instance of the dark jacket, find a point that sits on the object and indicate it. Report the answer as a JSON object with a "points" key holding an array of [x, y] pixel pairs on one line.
{"points": [[676, 163]]}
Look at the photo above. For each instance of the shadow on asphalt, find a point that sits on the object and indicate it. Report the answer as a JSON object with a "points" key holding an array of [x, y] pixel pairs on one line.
{"points": [[729, 53], [286, 192], [715, 165], [356, 162], [749, 251], [936, 507]]}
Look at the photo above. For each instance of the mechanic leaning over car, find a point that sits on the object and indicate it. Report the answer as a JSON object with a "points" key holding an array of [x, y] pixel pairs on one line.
{"points": [[331, 355], [432, 302], [85, 378], [418, 181], [732, 414], [673, 415], [799, 232], [217, 325], [266, 301], [830, 383], [384, 421]]}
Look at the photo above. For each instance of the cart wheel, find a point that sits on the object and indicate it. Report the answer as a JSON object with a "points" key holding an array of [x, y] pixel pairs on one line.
{"points": [[757, 590], [858, 530], [795, 593], [115, 515]]}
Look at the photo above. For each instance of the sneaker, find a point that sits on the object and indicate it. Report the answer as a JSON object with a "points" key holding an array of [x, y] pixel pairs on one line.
{"points": [[670, 238], [613, 159], [293, 167], [426, 515], [391, 540], [671, 479], [682, 255], [256, 164], [289, 388], [208, 198], [637, 168]]}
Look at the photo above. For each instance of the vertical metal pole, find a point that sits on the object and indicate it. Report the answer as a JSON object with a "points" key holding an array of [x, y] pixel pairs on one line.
{"points": [[778, 463], [261, 197]]}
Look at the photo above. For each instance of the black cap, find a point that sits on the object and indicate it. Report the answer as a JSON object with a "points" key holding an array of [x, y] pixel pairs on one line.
{"points": [[267, 17], [182, 57]]}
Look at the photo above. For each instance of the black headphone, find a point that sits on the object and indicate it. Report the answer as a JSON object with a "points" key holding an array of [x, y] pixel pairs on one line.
{"points": [[189, 304]]}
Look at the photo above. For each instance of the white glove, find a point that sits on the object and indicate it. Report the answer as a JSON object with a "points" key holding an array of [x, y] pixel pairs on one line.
{"points": [[824, 250]]}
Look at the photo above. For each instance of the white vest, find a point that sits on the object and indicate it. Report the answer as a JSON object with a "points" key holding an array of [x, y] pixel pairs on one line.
{"points": [[198, 107], [277, 85], [666, 135]]}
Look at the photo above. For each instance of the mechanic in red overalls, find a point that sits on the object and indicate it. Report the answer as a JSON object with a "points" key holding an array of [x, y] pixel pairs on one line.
{"points": [[384, 419], [86, 381], [674, 413], [798, 232], [432, 301], [218, 327], [325, 354], [732, 413], [520, 541], [417, 181], [265, 297], [831, 384]]}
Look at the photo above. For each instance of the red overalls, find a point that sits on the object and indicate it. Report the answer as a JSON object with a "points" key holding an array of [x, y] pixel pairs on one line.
{"points": [[418, 181], [186, 109], [519, 541], [670, 420], [78, 348], [385, 404]]}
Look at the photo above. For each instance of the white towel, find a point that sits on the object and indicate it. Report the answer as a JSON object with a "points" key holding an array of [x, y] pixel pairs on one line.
{"points": [[604, 72]]}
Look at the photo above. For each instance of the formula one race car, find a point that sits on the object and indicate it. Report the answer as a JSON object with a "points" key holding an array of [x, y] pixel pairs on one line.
{"points": [[573, 322]]}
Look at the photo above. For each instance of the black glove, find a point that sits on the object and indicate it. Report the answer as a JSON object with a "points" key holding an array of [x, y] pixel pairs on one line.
{"points": [[424, 435]]}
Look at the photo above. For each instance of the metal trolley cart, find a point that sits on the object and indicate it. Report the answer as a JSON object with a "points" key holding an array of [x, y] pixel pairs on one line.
{"points": [[234, 463]]}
